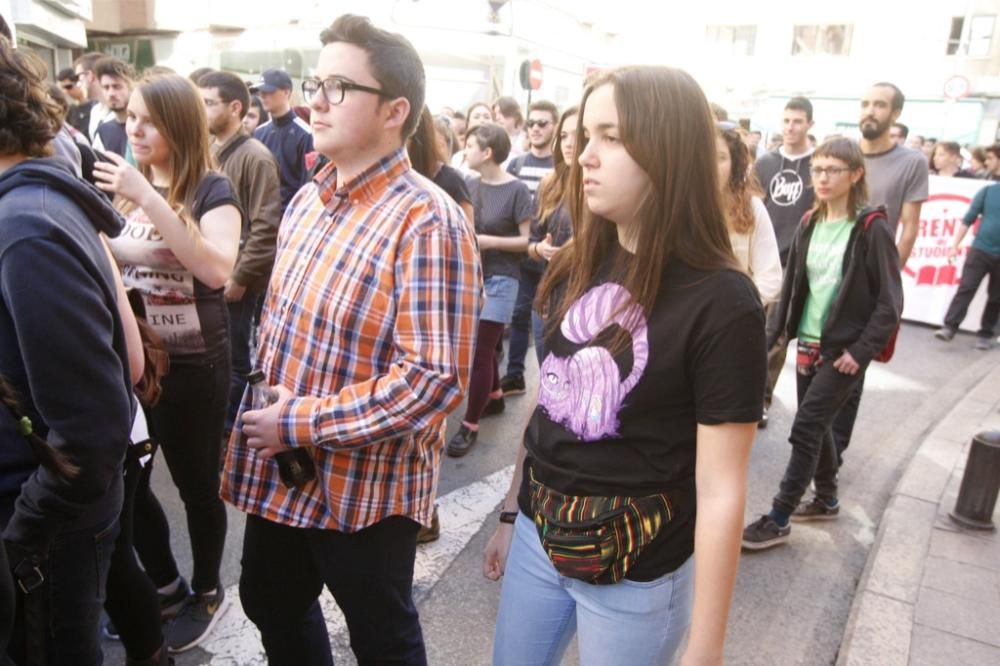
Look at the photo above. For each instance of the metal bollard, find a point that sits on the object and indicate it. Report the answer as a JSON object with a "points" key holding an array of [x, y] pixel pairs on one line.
{"points": [[977, 496]]}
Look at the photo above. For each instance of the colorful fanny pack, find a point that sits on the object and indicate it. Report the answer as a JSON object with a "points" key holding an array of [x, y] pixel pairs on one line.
{"points": [[808, 358], [596, 539]]}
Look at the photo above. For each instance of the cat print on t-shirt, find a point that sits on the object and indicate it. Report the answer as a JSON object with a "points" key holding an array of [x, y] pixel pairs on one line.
{"points": [[584, 392]]}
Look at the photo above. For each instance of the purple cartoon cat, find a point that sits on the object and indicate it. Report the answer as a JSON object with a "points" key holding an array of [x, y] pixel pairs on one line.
{"points": [[583, 392]]}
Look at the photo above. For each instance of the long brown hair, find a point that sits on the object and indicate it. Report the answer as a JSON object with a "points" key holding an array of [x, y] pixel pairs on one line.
{"points": [[741, 186], [178, 112], [554, 187], [422, 146], [668, 129], [849, 152]]}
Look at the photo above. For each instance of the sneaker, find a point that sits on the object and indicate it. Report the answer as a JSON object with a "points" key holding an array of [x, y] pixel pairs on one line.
{"points": [[494, 406], [945, 333], [171, 604], [984, 344], [461, 442], [432, 533], [765, 533], [763, 419], [512, 385], [195, 620], [816, 509]]}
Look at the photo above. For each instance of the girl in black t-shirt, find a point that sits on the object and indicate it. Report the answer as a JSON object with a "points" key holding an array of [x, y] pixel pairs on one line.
{"points": [[177, 250], [649, 396]]}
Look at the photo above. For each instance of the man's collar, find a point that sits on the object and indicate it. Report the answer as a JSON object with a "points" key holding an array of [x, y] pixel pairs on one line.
{"points": [[240, 132], [367, 185]]}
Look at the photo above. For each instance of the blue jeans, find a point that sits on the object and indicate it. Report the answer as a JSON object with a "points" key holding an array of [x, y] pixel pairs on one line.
{"points": [[624, 623], [61, 618], [521, 324]]}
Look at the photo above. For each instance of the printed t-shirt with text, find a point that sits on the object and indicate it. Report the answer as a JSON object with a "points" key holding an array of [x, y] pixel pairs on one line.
{"points": [[189, 316]]}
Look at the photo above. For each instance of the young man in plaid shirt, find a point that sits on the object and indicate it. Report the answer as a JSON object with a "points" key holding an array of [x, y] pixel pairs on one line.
{"points": [[367, 338]]}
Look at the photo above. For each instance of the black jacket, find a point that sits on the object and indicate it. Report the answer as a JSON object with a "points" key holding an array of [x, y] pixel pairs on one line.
{"points": [[868, 305], [62, 347]]}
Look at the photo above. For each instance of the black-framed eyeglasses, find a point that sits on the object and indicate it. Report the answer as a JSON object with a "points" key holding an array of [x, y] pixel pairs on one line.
{"points": [[334, 88]]}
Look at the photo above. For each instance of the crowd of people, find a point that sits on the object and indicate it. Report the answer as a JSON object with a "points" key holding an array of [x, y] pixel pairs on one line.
{"points": [[167, 237]]}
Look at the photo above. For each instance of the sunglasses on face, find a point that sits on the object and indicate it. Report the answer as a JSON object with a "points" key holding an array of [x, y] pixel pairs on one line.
{"points": [[541, 124], [67, 86], [818, 172]]}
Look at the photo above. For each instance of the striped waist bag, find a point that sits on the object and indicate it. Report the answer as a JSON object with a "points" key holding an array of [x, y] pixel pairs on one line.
{"points": [[596, 539]]}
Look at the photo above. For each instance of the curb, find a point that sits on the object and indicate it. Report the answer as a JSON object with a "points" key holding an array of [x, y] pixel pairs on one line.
{"points": [[880, 623]]}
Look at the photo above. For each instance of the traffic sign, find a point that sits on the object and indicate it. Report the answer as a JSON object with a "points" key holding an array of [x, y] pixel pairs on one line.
{"points": [[957, 87]]}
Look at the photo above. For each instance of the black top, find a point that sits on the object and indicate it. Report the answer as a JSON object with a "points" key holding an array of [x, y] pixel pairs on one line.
{"points": [[559, 224], [499, 211], [627, 425], [451, 181], [788, 194], [113, 136]]}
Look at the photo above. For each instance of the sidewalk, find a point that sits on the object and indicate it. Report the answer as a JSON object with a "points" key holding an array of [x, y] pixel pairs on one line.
{"points": [[930, 592]]}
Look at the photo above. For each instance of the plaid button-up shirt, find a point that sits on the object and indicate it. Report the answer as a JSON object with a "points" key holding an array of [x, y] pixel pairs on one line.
{"points": [[370, 320]]}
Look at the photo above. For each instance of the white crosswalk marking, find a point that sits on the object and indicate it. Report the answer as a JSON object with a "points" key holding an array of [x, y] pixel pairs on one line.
{"points": [[235, 640]]}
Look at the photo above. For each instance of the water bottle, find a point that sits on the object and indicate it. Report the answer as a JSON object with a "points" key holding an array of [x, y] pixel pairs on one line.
{"points": [[295, 467]]}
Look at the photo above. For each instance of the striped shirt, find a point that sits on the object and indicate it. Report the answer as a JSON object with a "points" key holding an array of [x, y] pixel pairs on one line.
{"points": [[370, 318]]}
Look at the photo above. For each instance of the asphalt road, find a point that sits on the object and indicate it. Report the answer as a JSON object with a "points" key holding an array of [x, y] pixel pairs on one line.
{"points": [[791, 603]]}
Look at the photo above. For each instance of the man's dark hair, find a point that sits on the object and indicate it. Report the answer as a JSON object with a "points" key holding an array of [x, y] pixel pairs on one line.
{"points": [[509, 108], [230, 87], [88, 60], [495, 138], [801, 104], [903, 129], [950, 147], [720, 113], [67, 74], [897, 94], [995, 149], [196, 75], [29, 119], [394, 62], [545, 105], [116, 67]]}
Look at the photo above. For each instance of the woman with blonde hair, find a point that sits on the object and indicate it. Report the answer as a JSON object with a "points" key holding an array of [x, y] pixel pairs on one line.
{"points": [[650, 392], [178, 248]]}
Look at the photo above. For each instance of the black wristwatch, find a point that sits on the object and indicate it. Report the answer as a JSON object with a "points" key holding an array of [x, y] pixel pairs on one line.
{"points": [[508, 517]]}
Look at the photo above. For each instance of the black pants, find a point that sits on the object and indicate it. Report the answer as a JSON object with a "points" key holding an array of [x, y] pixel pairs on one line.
{"points": [[241, 315], [814, 455], [843, 424], [978, 264], [188, 422], [369, 573], [131, 602]]}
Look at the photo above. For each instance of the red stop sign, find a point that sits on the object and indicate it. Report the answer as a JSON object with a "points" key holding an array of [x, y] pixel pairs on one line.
{"points": [[535, 74]]}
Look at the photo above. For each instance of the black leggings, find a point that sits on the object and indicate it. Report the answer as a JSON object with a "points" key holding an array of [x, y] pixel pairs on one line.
{"points": [[485, 370], [131, 600], [188, 423]]}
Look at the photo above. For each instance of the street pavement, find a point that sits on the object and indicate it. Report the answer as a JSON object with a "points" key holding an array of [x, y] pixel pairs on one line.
{"points": [[930, 593], [792, 604]]}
